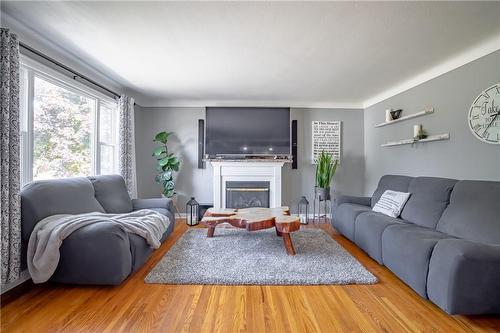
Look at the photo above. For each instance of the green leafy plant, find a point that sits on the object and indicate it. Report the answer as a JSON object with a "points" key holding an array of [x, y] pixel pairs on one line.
{"points": [[325, 169], [167, 163]]}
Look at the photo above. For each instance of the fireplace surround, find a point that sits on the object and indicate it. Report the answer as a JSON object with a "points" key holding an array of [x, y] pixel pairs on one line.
{"points": [[248, 171]]}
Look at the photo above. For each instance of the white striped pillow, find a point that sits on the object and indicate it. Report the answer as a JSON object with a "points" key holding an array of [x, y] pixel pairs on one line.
{"points": [[391, 203]]}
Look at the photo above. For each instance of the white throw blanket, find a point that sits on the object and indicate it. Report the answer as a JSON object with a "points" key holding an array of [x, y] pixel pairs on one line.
{"points": [[49, 233]]}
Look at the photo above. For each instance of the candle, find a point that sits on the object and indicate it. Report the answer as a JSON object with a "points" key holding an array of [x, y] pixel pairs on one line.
{"points": [[417, 131], [388, 116]]}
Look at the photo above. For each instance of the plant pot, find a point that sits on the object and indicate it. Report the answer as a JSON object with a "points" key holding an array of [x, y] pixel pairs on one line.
{"points": [[323, 193]]}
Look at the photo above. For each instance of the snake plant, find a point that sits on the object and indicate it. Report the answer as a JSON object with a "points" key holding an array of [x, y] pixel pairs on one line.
{"points": [[325, 169]]}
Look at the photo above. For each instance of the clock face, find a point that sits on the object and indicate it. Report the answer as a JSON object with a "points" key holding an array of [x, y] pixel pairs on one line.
{"points": [[484, 115]]}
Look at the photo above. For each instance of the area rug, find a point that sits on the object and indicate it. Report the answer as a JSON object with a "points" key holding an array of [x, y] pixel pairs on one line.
{"points": [[239, 257]]}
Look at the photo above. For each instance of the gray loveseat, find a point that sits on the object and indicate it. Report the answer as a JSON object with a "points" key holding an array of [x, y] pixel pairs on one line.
{"points": [[445, 245], [96, 254]]}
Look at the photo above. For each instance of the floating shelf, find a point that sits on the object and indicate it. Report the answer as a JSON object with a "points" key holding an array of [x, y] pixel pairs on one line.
{"points": [[410, 116], [439, 137]]}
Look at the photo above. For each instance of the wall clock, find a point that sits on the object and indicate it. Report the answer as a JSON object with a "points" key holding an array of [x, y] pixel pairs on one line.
{"points": [[484, 115]]}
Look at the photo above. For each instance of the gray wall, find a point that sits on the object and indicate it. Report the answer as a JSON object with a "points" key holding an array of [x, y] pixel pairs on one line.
{"points": [[198, 182], [363, 160], [349, 177], [462, 157], [183, 122]]}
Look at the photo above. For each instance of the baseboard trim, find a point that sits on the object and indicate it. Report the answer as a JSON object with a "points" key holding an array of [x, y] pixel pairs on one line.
{"points": [[14, 289], [23, 277]]}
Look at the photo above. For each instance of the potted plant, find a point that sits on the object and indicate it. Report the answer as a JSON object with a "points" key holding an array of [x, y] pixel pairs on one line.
{"points": [[167, 163], [325, 170]]}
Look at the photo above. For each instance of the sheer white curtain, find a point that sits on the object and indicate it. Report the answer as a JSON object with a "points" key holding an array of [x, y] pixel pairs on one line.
{"points": [[126, 143], [10, 203]]}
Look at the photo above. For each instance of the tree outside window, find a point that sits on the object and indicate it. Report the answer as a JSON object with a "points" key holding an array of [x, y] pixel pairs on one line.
{"points": [[62, 129], [67, 129]]}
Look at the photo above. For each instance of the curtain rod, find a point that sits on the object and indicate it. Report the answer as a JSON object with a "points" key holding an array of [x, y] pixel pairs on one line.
{"points": [[66, 68]]}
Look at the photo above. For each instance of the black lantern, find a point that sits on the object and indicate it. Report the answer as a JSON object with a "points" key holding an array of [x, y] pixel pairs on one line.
{"points": [[303, 210], [192, 208]]}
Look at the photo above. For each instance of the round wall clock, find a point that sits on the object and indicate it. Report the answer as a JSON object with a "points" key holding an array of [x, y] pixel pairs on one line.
{"points": [[484, 115]]}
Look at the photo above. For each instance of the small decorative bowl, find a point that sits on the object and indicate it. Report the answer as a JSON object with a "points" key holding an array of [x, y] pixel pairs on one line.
{"points": [[396, 114]]}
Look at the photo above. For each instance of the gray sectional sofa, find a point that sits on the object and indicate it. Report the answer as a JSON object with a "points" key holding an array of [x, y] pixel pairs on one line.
{"points": [[99, 253], [445, 245]]}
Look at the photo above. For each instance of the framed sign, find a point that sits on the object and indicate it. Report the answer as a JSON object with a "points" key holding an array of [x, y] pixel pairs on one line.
{"points": [[326, 136]]}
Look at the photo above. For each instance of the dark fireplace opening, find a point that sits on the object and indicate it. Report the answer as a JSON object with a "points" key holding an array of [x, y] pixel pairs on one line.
{"points": [[247, 194]]}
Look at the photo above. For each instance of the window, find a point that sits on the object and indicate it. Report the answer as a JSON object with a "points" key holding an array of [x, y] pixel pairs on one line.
{"points": [[23, 114], [62, 132], [108, 139], [67, 129]]}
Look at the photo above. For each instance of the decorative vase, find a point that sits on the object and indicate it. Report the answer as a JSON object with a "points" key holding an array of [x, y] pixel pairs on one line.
{"points": [[323, 193], [396, 114]]}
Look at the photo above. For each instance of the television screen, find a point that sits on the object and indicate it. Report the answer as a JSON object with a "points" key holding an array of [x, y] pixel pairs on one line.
{"points": [[247, 131]]}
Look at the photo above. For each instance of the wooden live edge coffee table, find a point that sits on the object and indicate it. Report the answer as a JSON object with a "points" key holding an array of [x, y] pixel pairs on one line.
{"points": [[254, 219]]}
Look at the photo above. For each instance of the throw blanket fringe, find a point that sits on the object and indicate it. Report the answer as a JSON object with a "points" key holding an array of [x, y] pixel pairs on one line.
{"points": [[49, 233]]}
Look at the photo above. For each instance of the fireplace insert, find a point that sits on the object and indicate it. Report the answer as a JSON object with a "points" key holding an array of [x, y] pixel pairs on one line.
{"points": [[244, 194]]}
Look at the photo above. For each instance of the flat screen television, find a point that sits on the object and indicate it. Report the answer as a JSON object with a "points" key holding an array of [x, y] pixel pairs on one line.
{"points": [[247, 131]]}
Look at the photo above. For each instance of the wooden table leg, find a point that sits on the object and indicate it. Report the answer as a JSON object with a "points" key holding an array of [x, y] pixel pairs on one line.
{"points": [[210, 232], [288, 243], [278, 233]]}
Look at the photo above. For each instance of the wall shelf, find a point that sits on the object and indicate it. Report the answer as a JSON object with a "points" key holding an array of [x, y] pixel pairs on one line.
{"points": [[438, 137], [410, 116]]}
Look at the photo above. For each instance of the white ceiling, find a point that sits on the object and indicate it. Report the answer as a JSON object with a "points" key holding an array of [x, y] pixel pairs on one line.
{"points": [[262, 53]]}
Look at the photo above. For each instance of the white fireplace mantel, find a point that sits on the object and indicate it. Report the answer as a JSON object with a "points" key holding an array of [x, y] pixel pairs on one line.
{"points": [[247, 170]]}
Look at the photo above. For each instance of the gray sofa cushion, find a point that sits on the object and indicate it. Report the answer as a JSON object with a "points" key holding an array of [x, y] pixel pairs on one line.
{"points": [[43, 198], [140, 249], [406, 251], [390, 182], [368, 231], [464, 277], [473, 212], [111, 192], [95, 254], [429, 197], [365, 201], [345, 216]]}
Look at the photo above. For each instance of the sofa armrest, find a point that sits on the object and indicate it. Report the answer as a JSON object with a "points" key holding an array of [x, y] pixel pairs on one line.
{"points": [[153, 203], [365, 201], [464, 277]]}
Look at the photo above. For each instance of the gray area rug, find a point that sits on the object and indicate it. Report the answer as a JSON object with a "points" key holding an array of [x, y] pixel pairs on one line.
{"points": [[239, 257]]}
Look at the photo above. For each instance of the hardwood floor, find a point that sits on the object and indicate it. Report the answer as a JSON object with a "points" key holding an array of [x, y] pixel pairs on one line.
{"points": [[389, 306]]}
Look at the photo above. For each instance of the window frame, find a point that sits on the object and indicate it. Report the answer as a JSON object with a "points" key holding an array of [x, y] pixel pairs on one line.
{"points": [[36, 69], [114, 135]]}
